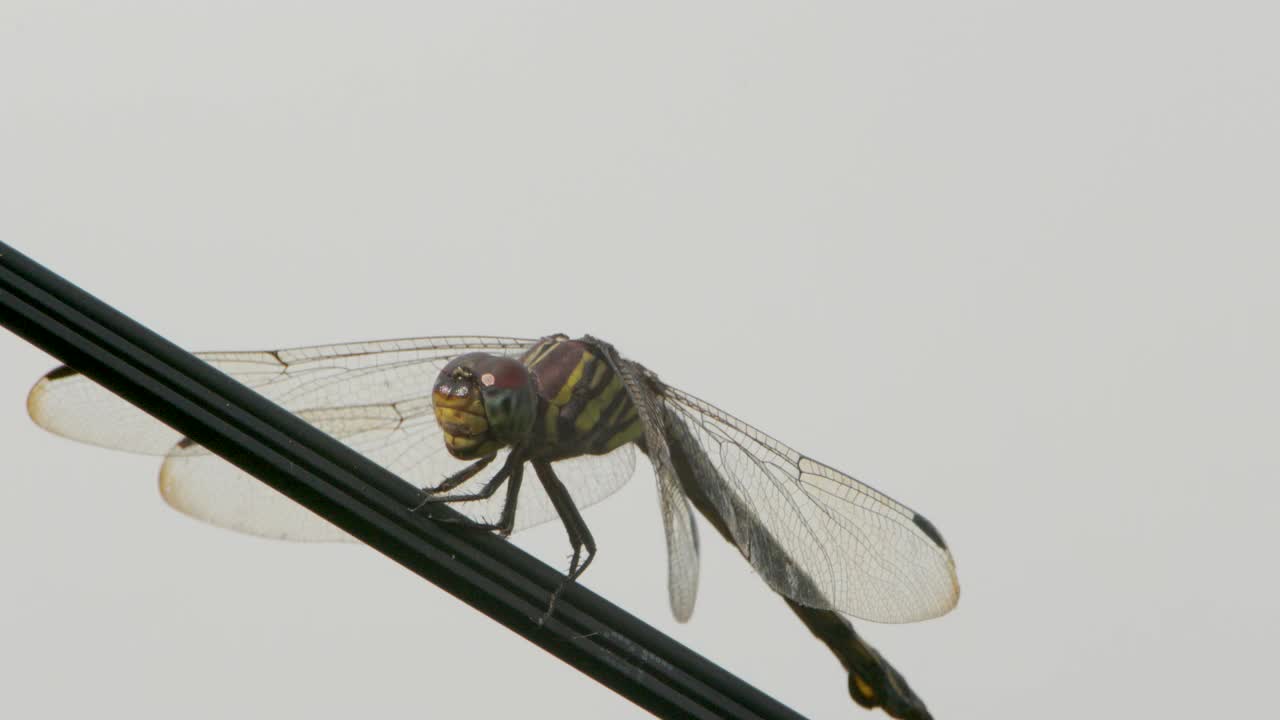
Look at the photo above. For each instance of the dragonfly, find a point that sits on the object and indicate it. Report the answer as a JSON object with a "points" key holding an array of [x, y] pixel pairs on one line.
{"points": [[463, 417]]}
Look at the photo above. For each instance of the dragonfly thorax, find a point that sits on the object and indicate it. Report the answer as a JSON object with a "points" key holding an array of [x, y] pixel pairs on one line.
{"points": [[484, 403]]}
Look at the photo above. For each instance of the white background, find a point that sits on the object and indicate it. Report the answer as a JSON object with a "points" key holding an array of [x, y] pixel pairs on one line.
{"points": [[1013, 265]]}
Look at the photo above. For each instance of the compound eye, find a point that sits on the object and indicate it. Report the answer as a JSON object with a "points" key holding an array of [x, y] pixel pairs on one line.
{"points": [[502, 373]]}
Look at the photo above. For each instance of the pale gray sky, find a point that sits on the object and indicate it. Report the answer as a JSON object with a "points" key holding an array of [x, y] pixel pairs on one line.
{"points": [[1012, 264]]}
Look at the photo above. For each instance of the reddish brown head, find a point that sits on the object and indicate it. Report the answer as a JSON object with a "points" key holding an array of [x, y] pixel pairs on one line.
{"points": [[483, 403]]}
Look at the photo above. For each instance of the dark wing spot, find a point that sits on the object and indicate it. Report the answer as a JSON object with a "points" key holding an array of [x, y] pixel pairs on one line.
{"points": [[60, 372], [928, 529], [185, 443]]}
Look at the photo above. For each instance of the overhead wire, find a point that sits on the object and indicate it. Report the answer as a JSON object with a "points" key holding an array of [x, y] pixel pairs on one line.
{"points": [[369, 502]]}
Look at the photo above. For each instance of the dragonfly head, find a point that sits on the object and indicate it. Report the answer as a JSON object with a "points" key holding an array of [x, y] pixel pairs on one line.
{"points": [[484, 403]]}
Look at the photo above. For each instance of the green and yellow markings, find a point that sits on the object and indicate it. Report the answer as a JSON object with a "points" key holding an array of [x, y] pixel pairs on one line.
{"points": [[552, 425], [602, 386], [631, 432], [540, 352], [590, 414]]}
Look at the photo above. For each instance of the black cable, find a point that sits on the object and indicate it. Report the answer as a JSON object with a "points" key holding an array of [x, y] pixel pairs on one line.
{"points": [[364, 499]]}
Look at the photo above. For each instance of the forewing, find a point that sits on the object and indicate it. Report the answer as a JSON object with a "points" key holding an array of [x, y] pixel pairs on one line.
{"points": [[309, 378], [813, 533]]}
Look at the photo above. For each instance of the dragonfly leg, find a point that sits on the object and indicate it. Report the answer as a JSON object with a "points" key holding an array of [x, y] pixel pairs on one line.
{"points": [[579, 535], [511, 474], [457, 478], [487, 490], [508, 520]]}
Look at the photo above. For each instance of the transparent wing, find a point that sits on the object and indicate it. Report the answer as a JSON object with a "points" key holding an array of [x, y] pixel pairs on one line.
{"points": [[681, 532], [208, 488], [815, 534], [682, 549], [205, 486], [335, 378], [374, 396]]}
